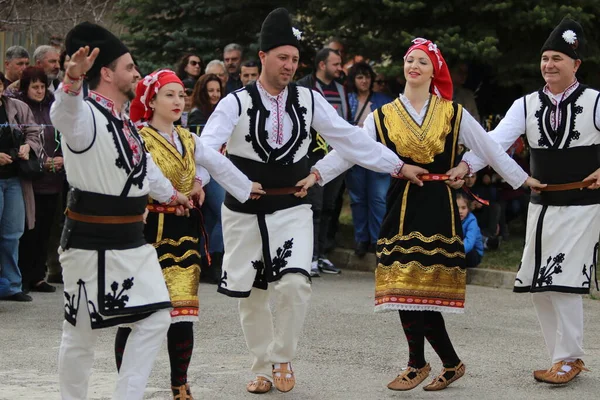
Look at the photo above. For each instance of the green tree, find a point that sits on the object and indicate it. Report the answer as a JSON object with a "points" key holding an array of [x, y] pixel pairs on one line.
{"points": [[160, 32], [507, 35]]}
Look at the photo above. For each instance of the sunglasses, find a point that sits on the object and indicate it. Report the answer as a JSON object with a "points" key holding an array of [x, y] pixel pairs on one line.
{"points": [[379, 82], [188, 92], [193, 63]]}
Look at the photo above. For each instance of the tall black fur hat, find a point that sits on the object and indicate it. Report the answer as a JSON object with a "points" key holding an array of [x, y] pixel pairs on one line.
{"points": [[277, 31], [566, 38]]}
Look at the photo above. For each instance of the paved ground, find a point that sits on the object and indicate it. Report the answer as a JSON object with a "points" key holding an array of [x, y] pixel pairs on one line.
{"points": [[347, 351]]}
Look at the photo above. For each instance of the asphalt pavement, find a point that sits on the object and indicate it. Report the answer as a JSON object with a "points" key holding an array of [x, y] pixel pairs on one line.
{"points": [[347, 351]]}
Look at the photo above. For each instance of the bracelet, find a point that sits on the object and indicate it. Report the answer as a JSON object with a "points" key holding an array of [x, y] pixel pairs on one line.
{"points": [[74, 79], [469, 168], [316, 173]]}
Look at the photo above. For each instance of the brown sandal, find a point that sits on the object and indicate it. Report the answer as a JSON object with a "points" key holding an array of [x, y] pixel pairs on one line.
{"points": [[282, 383], [259, 385], [403, 382], [558, 376], [182, 392], [441, 382]]}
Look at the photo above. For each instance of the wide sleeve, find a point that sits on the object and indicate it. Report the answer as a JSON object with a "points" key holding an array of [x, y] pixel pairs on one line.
{"points": [[223, 171], [486, 148], [508, 130], [333, 164], [73, 118], [351, 142], [221, 123]]}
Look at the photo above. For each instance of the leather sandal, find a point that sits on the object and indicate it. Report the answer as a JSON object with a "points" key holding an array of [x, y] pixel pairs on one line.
{"points": [[182, 392], [557, 375], [281, 382], [539, 374], [403, 382], [259, 385], [441, 382]]}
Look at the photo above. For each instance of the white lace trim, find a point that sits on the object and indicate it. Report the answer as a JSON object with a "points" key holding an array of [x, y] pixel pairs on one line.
{"points": [[184, 318], [417, 307]]}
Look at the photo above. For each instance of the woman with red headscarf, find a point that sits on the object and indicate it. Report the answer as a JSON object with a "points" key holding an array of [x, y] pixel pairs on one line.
{"points": [[420, 252], [159, 102]]}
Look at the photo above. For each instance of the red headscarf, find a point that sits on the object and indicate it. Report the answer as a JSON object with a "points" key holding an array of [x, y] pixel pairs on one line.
{"points": [[441, 84], [146, 90]]}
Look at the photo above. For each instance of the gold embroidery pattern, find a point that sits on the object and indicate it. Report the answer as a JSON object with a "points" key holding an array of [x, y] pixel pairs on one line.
{"points": [[180, 170], [421, 143], [419, 249], [161, 227], [183, 284], [432, 281], [453, 227], [185, 255], [175, 243], [422, 238], [457, 121], [403, 208]]}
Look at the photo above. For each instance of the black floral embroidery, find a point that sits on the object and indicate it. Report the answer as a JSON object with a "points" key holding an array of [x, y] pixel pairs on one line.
{"points": [[539, 114], [574, 134], [94, 314], [223, 281], [260, 278], [72, 303], [283, 253], [587, 271], [546, 272], [113, 301]]}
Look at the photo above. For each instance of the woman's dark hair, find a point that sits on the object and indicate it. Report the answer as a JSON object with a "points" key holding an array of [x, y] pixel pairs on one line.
{"points": [[361, 68], [30, 75], [184, 62], [200, 98]]}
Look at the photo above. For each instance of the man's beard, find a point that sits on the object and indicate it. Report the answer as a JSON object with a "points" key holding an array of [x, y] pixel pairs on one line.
{"points": [[330, 76]]}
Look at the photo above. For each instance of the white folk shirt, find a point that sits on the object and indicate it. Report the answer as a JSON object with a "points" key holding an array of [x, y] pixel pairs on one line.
{"points": [[471, 134], [349, 140]]}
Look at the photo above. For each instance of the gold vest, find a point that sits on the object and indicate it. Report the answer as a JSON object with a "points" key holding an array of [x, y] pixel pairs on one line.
{"points": [[179, 169]]}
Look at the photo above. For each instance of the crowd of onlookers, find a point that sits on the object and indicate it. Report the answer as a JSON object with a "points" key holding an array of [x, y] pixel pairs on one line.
{"points": [[28, 250]]}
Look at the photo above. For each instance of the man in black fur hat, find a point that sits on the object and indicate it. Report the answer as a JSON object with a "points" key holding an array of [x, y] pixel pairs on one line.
{"points": [[268, 242], [111, 275], [562, 124]]}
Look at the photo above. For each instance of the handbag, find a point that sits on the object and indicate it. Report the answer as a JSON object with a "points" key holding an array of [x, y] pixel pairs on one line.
{"points": [[32, 168]]}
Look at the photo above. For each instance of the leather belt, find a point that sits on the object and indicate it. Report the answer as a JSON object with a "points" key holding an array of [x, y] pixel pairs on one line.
{"points": [[445, 177], [157, 208], [567, 186], [282, 191], [104, 219]]}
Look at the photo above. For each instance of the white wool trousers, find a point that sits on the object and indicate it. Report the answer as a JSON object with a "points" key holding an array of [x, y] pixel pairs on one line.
{"points": [[76, 356], [269, 341], [561, 319]]}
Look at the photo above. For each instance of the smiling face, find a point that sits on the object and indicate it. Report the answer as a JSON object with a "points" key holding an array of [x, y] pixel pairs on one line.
{"points": [[279, 65], [558, 70], [213, 89], [169, 102], [418, 69]]}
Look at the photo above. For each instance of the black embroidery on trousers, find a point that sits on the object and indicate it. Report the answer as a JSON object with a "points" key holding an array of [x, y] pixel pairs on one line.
{"points": [[72, 303], [118, 301], [593, 266], [546, 272], [260, 279], [283, 253], [517, 279], [223, 281]]}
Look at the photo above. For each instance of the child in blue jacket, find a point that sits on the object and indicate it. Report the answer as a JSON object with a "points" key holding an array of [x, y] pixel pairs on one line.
{"points": [[472, 234]]}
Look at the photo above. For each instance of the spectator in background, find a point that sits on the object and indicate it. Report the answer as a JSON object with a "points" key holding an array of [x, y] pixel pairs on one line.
{"points": [[380, 85], [336, 44], [48, 58], [328, 67], [190, 67], [232, 56], [462, 95], [218, 68], [249, 72], [471, 233], [367, 189], [16, 60], [33, 246], [207, 94], [188, 89], [17, 203], [488, 217]]}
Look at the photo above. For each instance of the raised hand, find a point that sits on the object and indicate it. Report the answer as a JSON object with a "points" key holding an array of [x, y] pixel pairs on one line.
{"points": [[81, 62]]}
